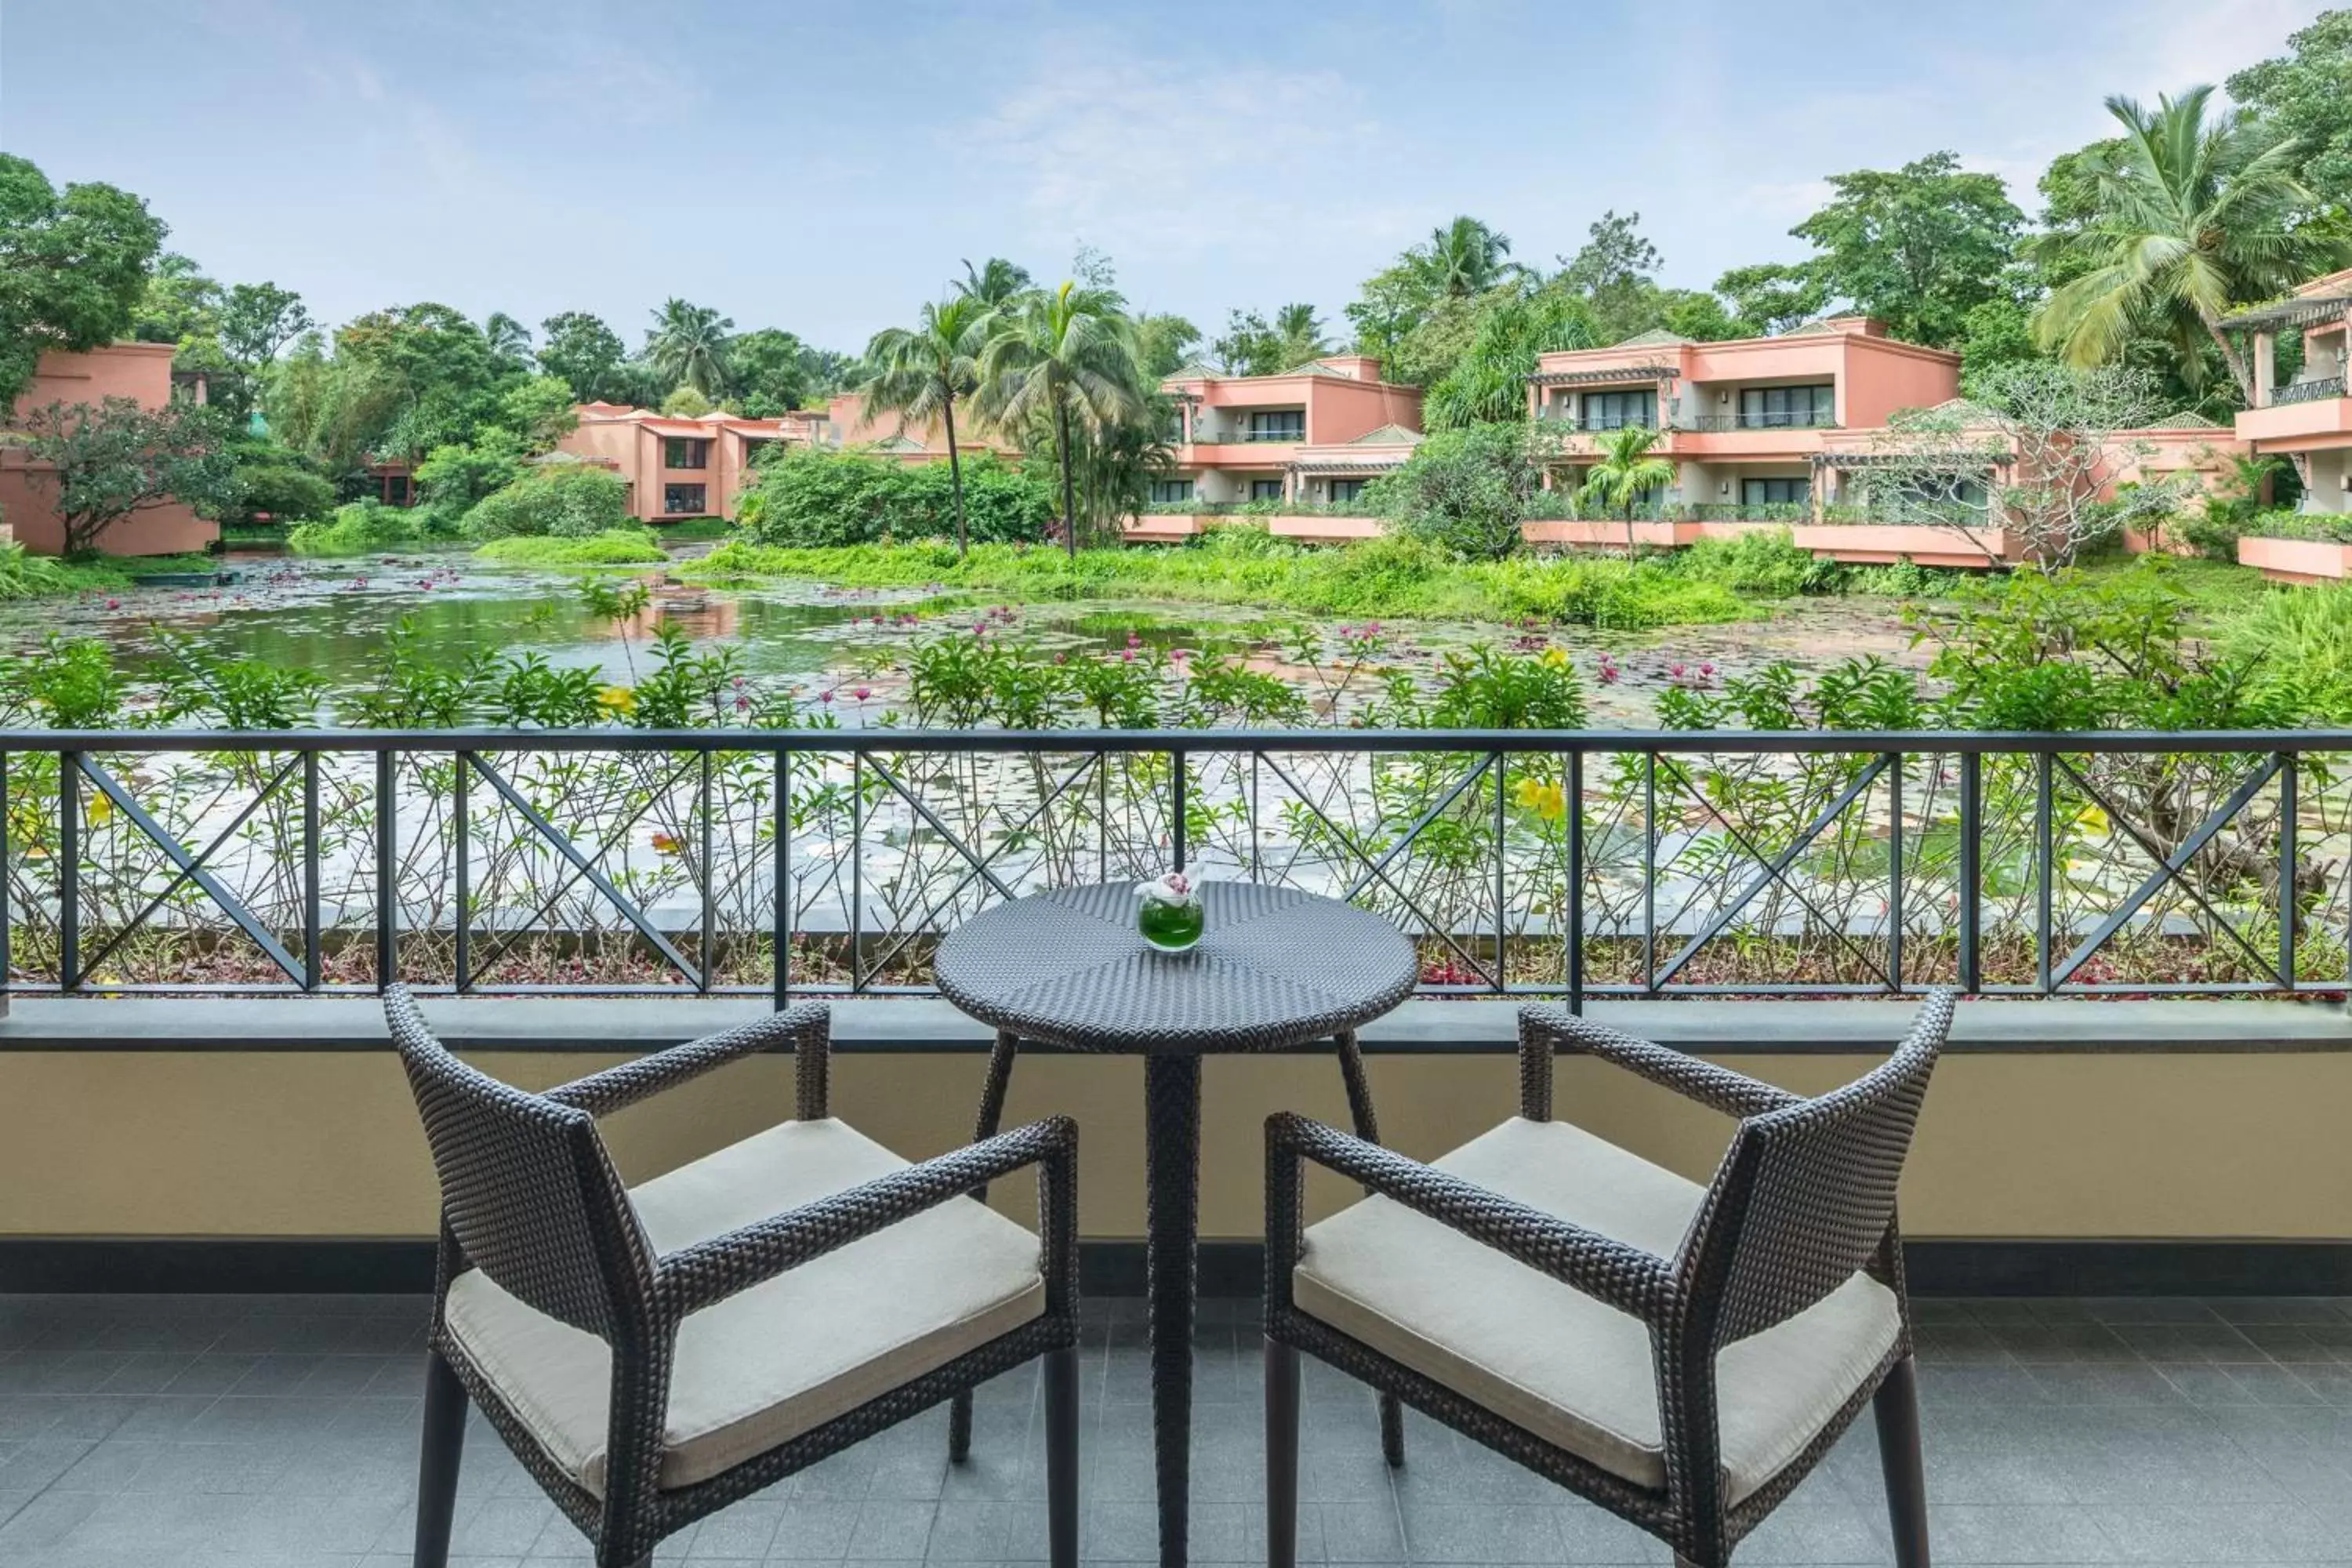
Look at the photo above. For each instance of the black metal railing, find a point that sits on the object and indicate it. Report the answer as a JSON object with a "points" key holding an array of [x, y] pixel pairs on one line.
{"points": [[2308, 391], [1576, 863], [1598, 421]]}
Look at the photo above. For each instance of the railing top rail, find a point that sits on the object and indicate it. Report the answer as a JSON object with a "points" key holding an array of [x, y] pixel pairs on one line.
{"points": [[1554, 742]]}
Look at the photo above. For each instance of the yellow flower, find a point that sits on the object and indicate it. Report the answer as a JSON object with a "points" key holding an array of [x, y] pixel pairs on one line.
{"points": [[617, 699], [1549, 801], [2095, 820], [1556, 657]]}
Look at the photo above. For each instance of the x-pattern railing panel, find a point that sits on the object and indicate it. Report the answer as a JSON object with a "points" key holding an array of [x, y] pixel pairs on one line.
{"points": [[1522, 861]]}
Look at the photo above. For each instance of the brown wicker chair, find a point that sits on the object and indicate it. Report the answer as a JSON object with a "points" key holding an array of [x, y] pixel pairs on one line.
{"points": [[1681, 1355], [653, 1354]]}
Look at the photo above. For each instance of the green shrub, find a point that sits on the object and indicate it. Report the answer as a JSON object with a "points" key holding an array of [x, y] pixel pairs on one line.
{"points": [[1463, 490], [284, 493], [812, 500], [564, 500], [616, 547], [2325, 528], [357, 527], [1763, 566]]}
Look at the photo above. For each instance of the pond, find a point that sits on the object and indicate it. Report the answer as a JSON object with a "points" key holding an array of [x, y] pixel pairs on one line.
{"points": [[332, 618]]}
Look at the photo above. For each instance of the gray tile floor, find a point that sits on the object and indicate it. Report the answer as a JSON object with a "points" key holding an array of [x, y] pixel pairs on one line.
{"points": [[275, 1432]]}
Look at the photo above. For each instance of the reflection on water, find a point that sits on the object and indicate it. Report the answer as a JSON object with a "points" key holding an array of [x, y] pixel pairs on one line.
{"points": [[333, 617]]}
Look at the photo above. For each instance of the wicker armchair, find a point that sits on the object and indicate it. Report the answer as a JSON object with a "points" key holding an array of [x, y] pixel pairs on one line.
{"points": [[1681, 1355], [653, 1354]]}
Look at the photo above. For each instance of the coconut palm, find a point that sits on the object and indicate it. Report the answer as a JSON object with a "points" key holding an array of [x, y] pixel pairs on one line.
{"points": [[1625, 472], [995, 282], [919, 372], [1467, 258], [1301, 334], [509, 339], [1066, 354], [688, 346], [2195, 217]]}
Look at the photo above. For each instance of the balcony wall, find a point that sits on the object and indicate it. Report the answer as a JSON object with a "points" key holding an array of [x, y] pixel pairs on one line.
{"points": [[2197, 1122]]}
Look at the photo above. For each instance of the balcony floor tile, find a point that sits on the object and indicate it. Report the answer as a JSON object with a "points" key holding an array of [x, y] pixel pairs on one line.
{"points": [[259, 1431]]}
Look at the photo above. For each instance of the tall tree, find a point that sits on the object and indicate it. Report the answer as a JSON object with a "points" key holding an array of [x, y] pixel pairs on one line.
{"points": [[257, 320], [1917, 247], [1490, 383], [509, 339], [2303, 95], [1252, 345], [1615, 274], [920, 372], [995, 282], [73, 267], [769, 368], [179, 303], [688, 346], [1466, 257], [1625, 472], [586, 352], [2194, 216], [1162, 342], [1773, 296], [1066, 355]]}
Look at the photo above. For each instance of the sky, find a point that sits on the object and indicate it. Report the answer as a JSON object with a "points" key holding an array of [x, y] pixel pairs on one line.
{"points": [[823, 168]]}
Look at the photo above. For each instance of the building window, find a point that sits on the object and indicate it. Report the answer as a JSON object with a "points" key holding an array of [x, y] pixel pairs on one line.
{"points": [[1169, 492], [1787, 407], [1265, 489], [1776, 492], [685, 452], [1278, 424], [683, 500], [1346, 489], [1615, 410]]}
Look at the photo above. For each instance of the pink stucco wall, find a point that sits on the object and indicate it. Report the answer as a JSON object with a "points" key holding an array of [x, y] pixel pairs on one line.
{"points": [[631, 442], [141, 372]]}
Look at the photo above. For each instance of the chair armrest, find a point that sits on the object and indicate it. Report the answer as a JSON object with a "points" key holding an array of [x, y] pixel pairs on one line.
{"points": [[1636, 1282], [803, 1030], [708, 1272], [1543, 1029]]}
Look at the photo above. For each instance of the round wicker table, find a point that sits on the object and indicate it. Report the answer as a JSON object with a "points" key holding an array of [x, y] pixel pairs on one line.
{"points": [[1277, 970]]}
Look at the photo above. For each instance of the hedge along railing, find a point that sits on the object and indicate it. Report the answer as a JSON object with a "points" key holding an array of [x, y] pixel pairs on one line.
{"points": [[828, 861]]}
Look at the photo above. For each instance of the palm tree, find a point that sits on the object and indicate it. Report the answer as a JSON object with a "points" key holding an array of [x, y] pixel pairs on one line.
{"points": [[2194, 218], [688, 346], [920, 373], [1070, 351], [1625, 472], [1466, 257], [995, 282], [509, 339], [1301, 334]]}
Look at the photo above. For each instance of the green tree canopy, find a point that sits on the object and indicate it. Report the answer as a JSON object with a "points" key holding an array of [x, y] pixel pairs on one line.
{"points": [[256, 321], [73, 267], [921, 372], [1162, 343], [1252, 345], [1916, 247], [2305, 95], [771, 371], [179, 303], [585, 352], [1067, 360]]}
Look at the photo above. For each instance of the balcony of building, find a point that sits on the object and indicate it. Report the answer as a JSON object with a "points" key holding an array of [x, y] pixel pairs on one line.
{"points": [[2124, 1213]]}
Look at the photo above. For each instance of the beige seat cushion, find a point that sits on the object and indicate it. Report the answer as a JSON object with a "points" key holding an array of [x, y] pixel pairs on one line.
{"points": [[1540, 1354], [786, 1355]]}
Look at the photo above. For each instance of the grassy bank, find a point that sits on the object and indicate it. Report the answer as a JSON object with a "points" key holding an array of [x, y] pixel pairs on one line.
{"points": [[1394, 578], [617, 547], [24, 575]]}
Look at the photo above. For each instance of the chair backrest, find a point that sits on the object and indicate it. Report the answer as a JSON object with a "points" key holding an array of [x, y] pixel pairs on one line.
{"points": [[1805, 1195], [527, 1187]]}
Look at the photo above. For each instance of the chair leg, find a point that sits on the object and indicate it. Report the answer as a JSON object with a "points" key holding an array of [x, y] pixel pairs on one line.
{"points": [[437, 1475], [1062, 1457], [1897, 1407], [1281, 1454], [991, 1116], [1367, 1128]]}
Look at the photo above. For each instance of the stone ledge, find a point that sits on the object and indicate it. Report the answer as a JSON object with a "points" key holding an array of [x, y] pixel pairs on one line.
{"points": [[623, 1026]]}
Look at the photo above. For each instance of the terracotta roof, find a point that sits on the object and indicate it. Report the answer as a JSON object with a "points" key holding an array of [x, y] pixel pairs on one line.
{"points": [[2186, 419]]}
